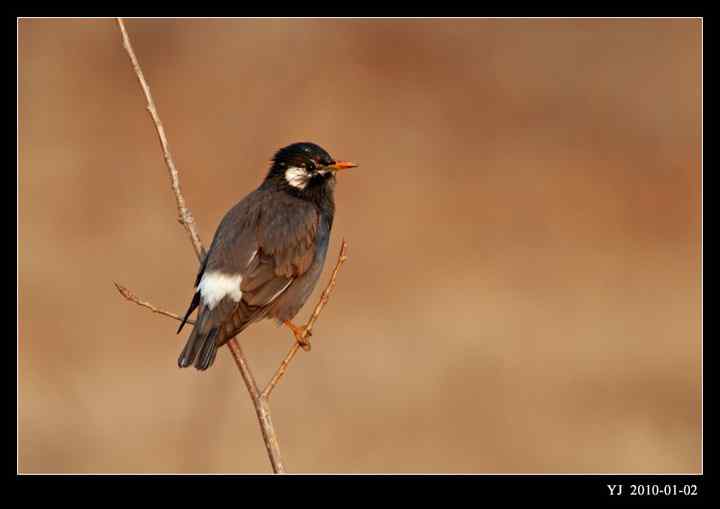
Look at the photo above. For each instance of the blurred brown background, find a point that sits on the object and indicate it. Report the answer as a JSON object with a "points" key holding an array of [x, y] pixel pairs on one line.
{"points": [[523, 286]]}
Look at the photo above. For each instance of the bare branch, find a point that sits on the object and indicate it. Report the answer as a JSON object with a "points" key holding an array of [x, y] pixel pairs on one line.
{"points": [[184, 216], [281, 370], [134, 298], [262, 409]]}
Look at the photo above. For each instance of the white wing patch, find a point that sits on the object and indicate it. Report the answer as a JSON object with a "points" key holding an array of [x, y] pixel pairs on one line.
{"points": [[215, 286], [297, 177]]}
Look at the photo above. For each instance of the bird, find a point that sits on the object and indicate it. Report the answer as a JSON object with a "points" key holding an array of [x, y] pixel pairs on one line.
{"points": [[267, 253]]}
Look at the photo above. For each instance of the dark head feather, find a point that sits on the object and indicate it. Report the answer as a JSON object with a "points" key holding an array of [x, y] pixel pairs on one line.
{"points": [[311, 161]]}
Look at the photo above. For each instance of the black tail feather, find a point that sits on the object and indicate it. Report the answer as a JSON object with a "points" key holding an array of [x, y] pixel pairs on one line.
{"points": [[193, 305], [189, 352], [194, 342], [207, 353], [196, 298]]}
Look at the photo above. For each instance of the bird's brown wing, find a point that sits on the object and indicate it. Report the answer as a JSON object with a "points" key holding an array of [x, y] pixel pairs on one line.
{"points": [[268, 240], [285, 239]]}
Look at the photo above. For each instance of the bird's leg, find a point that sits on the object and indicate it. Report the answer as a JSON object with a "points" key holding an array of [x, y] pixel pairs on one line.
{"points": [[301, 333]]}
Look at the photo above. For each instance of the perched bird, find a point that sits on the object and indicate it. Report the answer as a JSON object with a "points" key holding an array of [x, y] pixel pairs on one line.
{"points": [[267, 254]]}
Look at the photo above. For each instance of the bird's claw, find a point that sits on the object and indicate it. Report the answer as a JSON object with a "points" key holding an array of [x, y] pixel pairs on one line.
{"points": [[303, 338], [304, 342], [302, 335]]}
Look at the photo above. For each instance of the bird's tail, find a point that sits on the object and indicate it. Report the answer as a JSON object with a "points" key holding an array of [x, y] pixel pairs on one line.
{"points": [[201, 346]]}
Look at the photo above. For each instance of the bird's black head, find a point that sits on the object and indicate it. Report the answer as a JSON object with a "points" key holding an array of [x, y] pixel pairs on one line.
{"points": [[305, 169]]}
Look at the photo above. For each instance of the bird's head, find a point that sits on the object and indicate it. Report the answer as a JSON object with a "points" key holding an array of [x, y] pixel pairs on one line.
{"points": [[305, 168]]}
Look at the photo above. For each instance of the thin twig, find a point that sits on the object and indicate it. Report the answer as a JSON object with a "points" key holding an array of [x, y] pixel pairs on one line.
{"points": [[184, 216], [134, 298], [281, 370], [310, 323]]}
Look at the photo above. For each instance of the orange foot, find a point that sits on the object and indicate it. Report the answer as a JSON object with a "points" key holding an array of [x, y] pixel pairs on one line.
{"points": [[302, 335]]}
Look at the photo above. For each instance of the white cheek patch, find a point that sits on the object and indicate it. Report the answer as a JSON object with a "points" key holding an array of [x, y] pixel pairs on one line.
{"points": [[297, 177], [215, 286]]}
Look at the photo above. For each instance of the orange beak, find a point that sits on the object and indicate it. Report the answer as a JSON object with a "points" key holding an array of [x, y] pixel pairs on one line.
{"points": [[342, 165]]}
